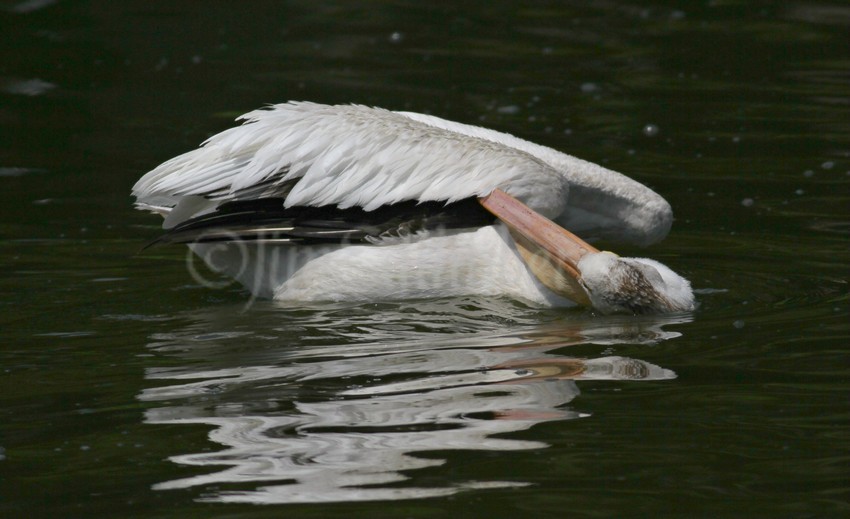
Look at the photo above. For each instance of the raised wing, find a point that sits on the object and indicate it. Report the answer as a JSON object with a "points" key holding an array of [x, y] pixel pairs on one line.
{"points": [[347, 156], [601, 202]]}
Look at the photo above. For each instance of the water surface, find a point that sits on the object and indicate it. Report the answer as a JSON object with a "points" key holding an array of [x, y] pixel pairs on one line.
{"points": [[128, 389]]}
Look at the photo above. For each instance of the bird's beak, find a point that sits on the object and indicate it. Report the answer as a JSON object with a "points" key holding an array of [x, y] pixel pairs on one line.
{"points": [[551, 252]]}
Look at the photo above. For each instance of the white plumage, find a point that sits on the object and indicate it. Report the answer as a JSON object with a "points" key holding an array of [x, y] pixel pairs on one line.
{"points": [[313, 155]]}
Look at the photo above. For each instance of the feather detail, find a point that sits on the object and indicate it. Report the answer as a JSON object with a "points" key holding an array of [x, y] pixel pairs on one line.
{"points": [[600, 201], [350, 156], [354, 156], [267, 220]]}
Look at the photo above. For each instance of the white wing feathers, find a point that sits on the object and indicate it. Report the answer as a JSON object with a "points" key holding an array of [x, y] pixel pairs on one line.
{"points": [[353, 155], [600, 201]]}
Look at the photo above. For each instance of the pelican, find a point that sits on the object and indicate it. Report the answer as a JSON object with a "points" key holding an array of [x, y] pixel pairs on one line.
{"points": [[310, 202]]}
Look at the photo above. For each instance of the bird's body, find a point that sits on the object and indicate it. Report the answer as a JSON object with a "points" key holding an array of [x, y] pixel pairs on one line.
{"points": [[479, 261], [308, 202]]}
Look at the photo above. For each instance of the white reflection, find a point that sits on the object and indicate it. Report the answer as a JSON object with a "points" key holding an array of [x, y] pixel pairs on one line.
{"points": [[350, 422], [27, 87], [29, 6]]}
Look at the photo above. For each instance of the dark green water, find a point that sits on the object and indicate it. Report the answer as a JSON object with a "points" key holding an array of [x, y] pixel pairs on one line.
{"points": [[127, 390]]}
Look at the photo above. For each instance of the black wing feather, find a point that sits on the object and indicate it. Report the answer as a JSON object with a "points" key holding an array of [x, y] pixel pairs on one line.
{"points": [[267, 220]]}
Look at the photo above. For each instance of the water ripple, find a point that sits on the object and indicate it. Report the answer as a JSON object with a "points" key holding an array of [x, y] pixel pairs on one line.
{"points": [[348, 403]]}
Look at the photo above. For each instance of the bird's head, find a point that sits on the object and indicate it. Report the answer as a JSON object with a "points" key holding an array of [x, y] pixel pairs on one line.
{"points": [[633, 285], [574, 269]]}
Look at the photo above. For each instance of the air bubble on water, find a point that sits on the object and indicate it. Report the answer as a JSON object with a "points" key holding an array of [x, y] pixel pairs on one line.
{"points": [[396, 37], [738, 324], [509, 109], [827, 165], [808, 173], [748, 202], [589, 87], [650, 130]]}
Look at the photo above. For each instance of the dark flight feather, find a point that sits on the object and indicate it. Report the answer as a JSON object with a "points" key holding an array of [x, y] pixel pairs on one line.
{"points": [[266, 220]]}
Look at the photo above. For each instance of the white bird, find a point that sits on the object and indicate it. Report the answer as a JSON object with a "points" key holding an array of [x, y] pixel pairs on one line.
{"points": [[309, 202]]}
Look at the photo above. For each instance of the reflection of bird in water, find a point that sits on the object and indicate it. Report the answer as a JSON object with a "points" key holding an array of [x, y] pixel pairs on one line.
{"points": [[329, 450], [308, 202], [320, 422]]}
